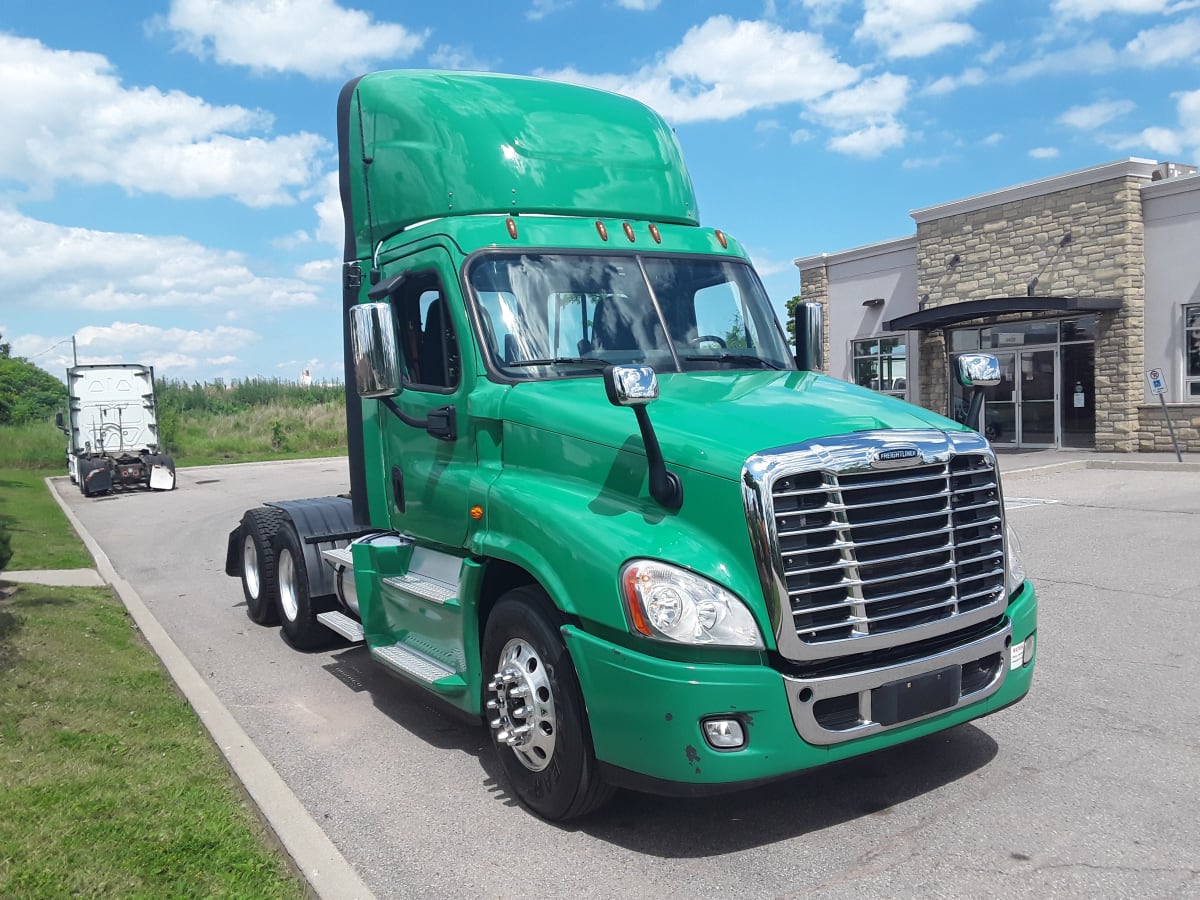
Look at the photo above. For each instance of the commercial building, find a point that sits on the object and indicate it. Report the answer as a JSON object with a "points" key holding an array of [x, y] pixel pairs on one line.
{"points": [[1080, 284]]}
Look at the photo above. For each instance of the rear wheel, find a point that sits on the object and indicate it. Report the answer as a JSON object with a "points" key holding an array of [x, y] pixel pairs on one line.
{"points": [[536, 709], [297, 610], [259, 577]]}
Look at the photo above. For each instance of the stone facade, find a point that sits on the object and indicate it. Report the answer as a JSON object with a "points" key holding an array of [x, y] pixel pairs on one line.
{"points": [[1155, 435], [1083, 241]]}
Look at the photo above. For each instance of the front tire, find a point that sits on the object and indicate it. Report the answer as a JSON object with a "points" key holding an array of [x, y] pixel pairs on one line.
{"points": [[536, 709], [259, 576], [297, 611]]}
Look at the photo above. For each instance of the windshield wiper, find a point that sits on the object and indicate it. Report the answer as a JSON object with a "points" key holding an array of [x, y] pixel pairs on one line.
{"points": [[734, 357], [558, 361]]}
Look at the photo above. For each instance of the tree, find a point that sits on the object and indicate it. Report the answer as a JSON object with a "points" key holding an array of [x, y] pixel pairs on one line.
{"points": [[27, 393], [790, 324]]}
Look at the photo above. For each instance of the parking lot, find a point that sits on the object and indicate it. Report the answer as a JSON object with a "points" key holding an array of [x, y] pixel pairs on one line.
{"points": [[1085, 789]]}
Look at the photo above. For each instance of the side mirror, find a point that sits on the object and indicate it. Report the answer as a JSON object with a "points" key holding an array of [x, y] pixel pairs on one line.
{"points": [[977, 371], [58, 420], [810, 336], [630, 385], [373, 345], [637, 386]]}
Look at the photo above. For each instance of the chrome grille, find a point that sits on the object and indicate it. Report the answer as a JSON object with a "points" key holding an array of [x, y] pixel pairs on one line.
{"points": [[863, 557]]}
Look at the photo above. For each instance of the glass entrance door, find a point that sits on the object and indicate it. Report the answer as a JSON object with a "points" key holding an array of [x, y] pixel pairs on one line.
{"points": [[1078, 393], [1036, 392]]}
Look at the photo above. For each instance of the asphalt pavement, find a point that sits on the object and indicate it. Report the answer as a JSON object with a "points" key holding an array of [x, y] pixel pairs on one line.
{"points": [[315, 855]]}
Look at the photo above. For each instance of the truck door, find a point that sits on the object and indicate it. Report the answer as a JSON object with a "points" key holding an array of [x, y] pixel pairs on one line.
{"points": [[429, 478]]}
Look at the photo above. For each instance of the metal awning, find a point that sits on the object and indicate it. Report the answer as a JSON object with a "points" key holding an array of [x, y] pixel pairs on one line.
{"points": [[953, 313]]}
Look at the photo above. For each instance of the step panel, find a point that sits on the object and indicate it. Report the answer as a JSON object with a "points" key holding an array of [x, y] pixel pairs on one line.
{"points": [[425, 588], [339, 556], [418, 665], [349, 628]]}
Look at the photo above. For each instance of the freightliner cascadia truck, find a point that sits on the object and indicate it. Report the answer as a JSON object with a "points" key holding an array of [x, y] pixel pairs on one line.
{"points": [[595, 499], [112, 429]]}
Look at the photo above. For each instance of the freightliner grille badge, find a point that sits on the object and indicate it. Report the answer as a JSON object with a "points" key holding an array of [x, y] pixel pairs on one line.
{"points": [[894, 456]]}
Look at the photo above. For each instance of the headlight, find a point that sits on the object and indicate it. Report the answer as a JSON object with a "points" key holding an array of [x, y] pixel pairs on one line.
{"points": [[668, 603], [1014, 566]]}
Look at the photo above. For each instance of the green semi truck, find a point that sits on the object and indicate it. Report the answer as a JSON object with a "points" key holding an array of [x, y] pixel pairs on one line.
{"points": [[595, 498]]}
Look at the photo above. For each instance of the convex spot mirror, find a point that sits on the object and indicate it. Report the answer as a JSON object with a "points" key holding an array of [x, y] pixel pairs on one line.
{"points": [[978, 370], [373, 345], [630, 385]]}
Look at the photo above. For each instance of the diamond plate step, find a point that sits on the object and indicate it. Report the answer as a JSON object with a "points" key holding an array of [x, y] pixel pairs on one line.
{"points": [[426, 588], [347, 627], [339, 556], [419, 666]]}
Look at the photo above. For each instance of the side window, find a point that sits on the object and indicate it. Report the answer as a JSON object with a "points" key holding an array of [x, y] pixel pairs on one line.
{"points": [[881, 364], [428, 345], [1191, 352]]}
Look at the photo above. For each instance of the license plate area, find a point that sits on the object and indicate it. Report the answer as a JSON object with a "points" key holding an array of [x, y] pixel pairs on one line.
{"points": [[911, 698]]}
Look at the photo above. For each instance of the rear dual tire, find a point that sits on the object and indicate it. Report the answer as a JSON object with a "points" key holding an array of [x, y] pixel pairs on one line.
{"points": [[297, 610], [259, 575]]}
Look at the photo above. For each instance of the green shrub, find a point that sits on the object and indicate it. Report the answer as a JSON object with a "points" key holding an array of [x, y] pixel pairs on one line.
{"points": [[5, 545]]}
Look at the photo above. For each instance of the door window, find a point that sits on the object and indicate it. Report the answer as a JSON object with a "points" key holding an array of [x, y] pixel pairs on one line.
{"points": [[428, 346]]}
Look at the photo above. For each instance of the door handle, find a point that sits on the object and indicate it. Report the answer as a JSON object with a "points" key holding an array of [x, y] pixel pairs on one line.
{"points": [[398, 488]]}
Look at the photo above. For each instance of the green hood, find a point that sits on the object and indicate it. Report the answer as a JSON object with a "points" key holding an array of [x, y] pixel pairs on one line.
{"points": [[713, 422]]}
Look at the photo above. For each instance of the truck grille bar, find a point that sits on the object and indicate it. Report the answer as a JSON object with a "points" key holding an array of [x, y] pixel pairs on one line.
{"points": [[885, 539]]}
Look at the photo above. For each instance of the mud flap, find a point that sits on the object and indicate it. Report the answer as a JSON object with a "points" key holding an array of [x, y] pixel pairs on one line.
{"points": [[162, 478]]}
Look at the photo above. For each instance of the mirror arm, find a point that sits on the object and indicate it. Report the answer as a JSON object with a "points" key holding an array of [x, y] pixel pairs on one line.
{"points": [[975, 410], [665, 487]]}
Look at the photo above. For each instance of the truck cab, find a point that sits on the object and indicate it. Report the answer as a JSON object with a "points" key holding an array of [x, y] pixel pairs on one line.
{"points": [[595, 498]]}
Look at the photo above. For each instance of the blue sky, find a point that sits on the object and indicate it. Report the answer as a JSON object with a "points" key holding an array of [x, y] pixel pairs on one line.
{"points": [[168, 167]]}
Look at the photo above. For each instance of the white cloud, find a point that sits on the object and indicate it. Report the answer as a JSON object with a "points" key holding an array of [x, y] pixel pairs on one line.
{"points": [[638, 5], [542, 8], [1166, 44], [1096, 56], [317, 38], [67, 117], [927, 162], [171, 351], [457, 57], [723, 68], [823, 12], [871, 141], [1092, 9], [972, 77], [876, 98], [1170, 142], [914, 28], [993, 139], [1093, 115], [108, 271], [866, 114], [1044, 152]]}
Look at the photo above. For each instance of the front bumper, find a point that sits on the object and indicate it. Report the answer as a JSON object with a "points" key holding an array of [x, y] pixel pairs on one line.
{"points": [[645, 712]]}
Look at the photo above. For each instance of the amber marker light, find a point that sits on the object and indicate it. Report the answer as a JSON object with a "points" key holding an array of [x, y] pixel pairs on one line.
{"points": [[511, 225], [636, 616], [477, 512], [655, 233], [601, 230], [628, 229], [721, 239]]}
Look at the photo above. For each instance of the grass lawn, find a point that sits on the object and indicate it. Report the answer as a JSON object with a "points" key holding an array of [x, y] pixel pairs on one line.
{"points": [[41, 536], [109, 785]]}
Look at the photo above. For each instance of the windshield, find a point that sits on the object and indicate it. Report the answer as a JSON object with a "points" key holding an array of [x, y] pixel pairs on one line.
{"points": [[552, 315]]}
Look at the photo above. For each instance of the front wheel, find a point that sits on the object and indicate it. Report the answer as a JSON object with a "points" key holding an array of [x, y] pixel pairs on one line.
{"points": [[536, 709], [297, 611]]}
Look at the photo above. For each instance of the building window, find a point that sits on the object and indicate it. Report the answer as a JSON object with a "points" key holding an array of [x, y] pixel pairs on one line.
{"points": [[1191, 352], [881, 364]]}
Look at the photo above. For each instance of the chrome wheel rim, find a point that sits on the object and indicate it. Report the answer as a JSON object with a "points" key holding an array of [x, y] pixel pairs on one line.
{"points": [[524, 703], [287, 586], [250, 567]]}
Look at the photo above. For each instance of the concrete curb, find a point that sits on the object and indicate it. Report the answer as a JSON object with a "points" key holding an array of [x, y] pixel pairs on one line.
{"points": [[55, 577], [314, 854]]}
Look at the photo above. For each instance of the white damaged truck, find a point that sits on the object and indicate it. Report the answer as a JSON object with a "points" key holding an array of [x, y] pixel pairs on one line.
{"points": [[112, 430]]}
